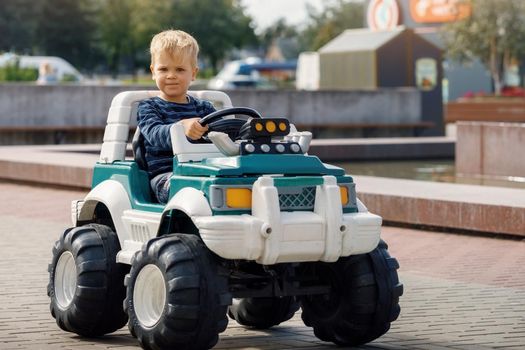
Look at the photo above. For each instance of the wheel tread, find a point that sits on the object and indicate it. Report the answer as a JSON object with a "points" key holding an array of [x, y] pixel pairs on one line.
{"points": [[184, 282], [263, 313], [369, 292], [194, 314], [95, 309], [186, 312], [92, 266]]}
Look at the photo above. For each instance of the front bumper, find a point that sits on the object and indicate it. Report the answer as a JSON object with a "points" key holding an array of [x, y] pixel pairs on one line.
{"points": [[270, 236]]}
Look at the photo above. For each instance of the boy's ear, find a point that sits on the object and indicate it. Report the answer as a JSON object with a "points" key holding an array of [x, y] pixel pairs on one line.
{"points": [[152, 72], [195, 71]]}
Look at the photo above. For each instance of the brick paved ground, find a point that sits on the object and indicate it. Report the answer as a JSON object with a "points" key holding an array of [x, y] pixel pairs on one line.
{"points": [[461, 292]]}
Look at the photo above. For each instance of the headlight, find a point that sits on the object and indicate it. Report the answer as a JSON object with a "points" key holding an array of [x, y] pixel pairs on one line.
{"points": [[238, 198], [348, 196], [270, 126], [344, 195], [267, 127], [231, 197]]}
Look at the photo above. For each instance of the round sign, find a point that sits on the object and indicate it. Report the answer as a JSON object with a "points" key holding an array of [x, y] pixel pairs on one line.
{"points": [[383, 14]]}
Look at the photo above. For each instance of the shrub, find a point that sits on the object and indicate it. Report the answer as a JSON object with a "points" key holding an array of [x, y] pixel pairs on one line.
{"points": [[13, 72], [67, 78]]}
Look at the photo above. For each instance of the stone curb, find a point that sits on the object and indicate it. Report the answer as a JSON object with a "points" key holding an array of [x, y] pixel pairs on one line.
{"points": [[449, 206]]}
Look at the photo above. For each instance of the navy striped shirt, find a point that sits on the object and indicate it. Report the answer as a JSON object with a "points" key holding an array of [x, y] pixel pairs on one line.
{"points": [[155, 117]]}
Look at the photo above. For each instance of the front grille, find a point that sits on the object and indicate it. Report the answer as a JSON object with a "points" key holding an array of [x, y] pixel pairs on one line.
{"points": [[296, 198]]}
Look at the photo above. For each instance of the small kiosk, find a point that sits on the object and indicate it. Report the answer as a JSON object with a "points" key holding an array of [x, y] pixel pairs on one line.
{"points": [[367, 59]]}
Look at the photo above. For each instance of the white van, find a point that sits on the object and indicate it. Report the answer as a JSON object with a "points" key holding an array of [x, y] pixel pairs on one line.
{"points": [[62, 69]]}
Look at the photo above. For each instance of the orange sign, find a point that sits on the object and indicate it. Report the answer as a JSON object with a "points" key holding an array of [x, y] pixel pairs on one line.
{"points": [[439, 11]]}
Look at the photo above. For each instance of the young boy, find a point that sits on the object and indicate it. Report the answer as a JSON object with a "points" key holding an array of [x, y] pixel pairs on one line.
{"points": [[173, 67]]}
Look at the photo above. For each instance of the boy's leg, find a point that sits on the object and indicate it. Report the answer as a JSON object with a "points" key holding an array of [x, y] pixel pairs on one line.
{"points": [[161, 187]]}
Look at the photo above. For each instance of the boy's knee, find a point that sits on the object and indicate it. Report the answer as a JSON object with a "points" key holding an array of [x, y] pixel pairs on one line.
{"points": [[161, 187]]}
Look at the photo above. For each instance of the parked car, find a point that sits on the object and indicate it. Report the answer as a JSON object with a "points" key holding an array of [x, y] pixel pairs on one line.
{"points": [[252, 73]]}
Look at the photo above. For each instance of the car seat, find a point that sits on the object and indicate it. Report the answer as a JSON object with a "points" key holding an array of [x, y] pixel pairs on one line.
{"points": [[139, 150]]}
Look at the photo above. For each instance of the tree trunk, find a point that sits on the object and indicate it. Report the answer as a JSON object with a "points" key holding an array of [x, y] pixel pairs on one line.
{"points": [[114, 62], [134, 75], [495, 67], [214, 62]]}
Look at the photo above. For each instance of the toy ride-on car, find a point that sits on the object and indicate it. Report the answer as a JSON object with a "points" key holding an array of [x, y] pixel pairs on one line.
{"points": [[255, 228]]}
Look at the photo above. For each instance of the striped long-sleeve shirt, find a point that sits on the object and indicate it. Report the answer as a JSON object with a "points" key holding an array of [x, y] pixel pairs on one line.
{"points": [[155, 117]]}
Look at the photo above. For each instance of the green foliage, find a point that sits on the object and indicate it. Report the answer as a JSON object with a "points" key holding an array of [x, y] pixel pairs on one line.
{"points": [[115, 25], [206, 73], [127, 27], [13, 72], [148, 18], [68, 78], [337, 16], [17, 24], [283, 35], [66, 28], [115, 34], [322, 27], [218, 25], [494, 33]]}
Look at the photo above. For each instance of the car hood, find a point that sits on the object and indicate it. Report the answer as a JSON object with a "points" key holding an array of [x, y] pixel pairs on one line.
{"points": [[257, 164]]}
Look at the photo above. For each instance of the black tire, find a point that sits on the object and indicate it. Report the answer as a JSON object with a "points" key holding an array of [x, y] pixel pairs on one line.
{"points": [[192, 311], [263, 313], [88, 299], [364, 299]]}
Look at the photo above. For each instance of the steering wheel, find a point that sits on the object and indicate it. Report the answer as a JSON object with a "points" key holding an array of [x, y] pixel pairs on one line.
{"points": [[217, 120]]}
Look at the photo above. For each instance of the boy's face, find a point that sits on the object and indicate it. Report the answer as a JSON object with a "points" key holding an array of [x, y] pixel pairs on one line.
{"points": [[173, 76]]}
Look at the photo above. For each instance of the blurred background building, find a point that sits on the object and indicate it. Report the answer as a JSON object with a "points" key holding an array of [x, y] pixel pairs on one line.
{"points": [[426, 17]]}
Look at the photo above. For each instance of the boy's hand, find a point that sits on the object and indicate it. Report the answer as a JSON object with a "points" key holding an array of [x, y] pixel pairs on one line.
{"points": [[193, 129]]}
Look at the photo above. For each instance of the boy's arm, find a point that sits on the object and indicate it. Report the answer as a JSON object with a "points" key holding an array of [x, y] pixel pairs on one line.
{"points": [[208, 108], [193, 129], [154, 128]]}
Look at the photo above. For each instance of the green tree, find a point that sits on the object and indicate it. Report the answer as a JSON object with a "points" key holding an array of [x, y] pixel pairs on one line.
{"points": [[494, 33], [218, 25], [149, 18], [126, 28], [284, 35], [67, 28], [17, 24], [116, 35], [337, 16]]}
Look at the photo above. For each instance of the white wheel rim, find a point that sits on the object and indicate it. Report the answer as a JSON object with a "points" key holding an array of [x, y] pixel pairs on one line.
{"points": [[149, 295], [65, 279]]}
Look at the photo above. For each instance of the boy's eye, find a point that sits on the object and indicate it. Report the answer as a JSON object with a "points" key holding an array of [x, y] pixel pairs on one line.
{"points": [[180, 69], [163, 69]]}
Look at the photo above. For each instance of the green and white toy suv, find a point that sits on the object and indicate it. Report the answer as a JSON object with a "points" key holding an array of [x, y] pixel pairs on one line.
{"points": [[254, 228]]}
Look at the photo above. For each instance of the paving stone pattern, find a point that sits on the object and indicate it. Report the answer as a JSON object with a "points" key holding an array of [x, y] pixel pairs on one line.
{"points": [[461, 292]]}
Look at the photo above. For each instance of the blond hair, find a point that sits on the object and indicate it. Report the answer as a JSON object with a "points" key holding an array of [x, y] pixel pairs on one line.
{"points": [[175, 42]]}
